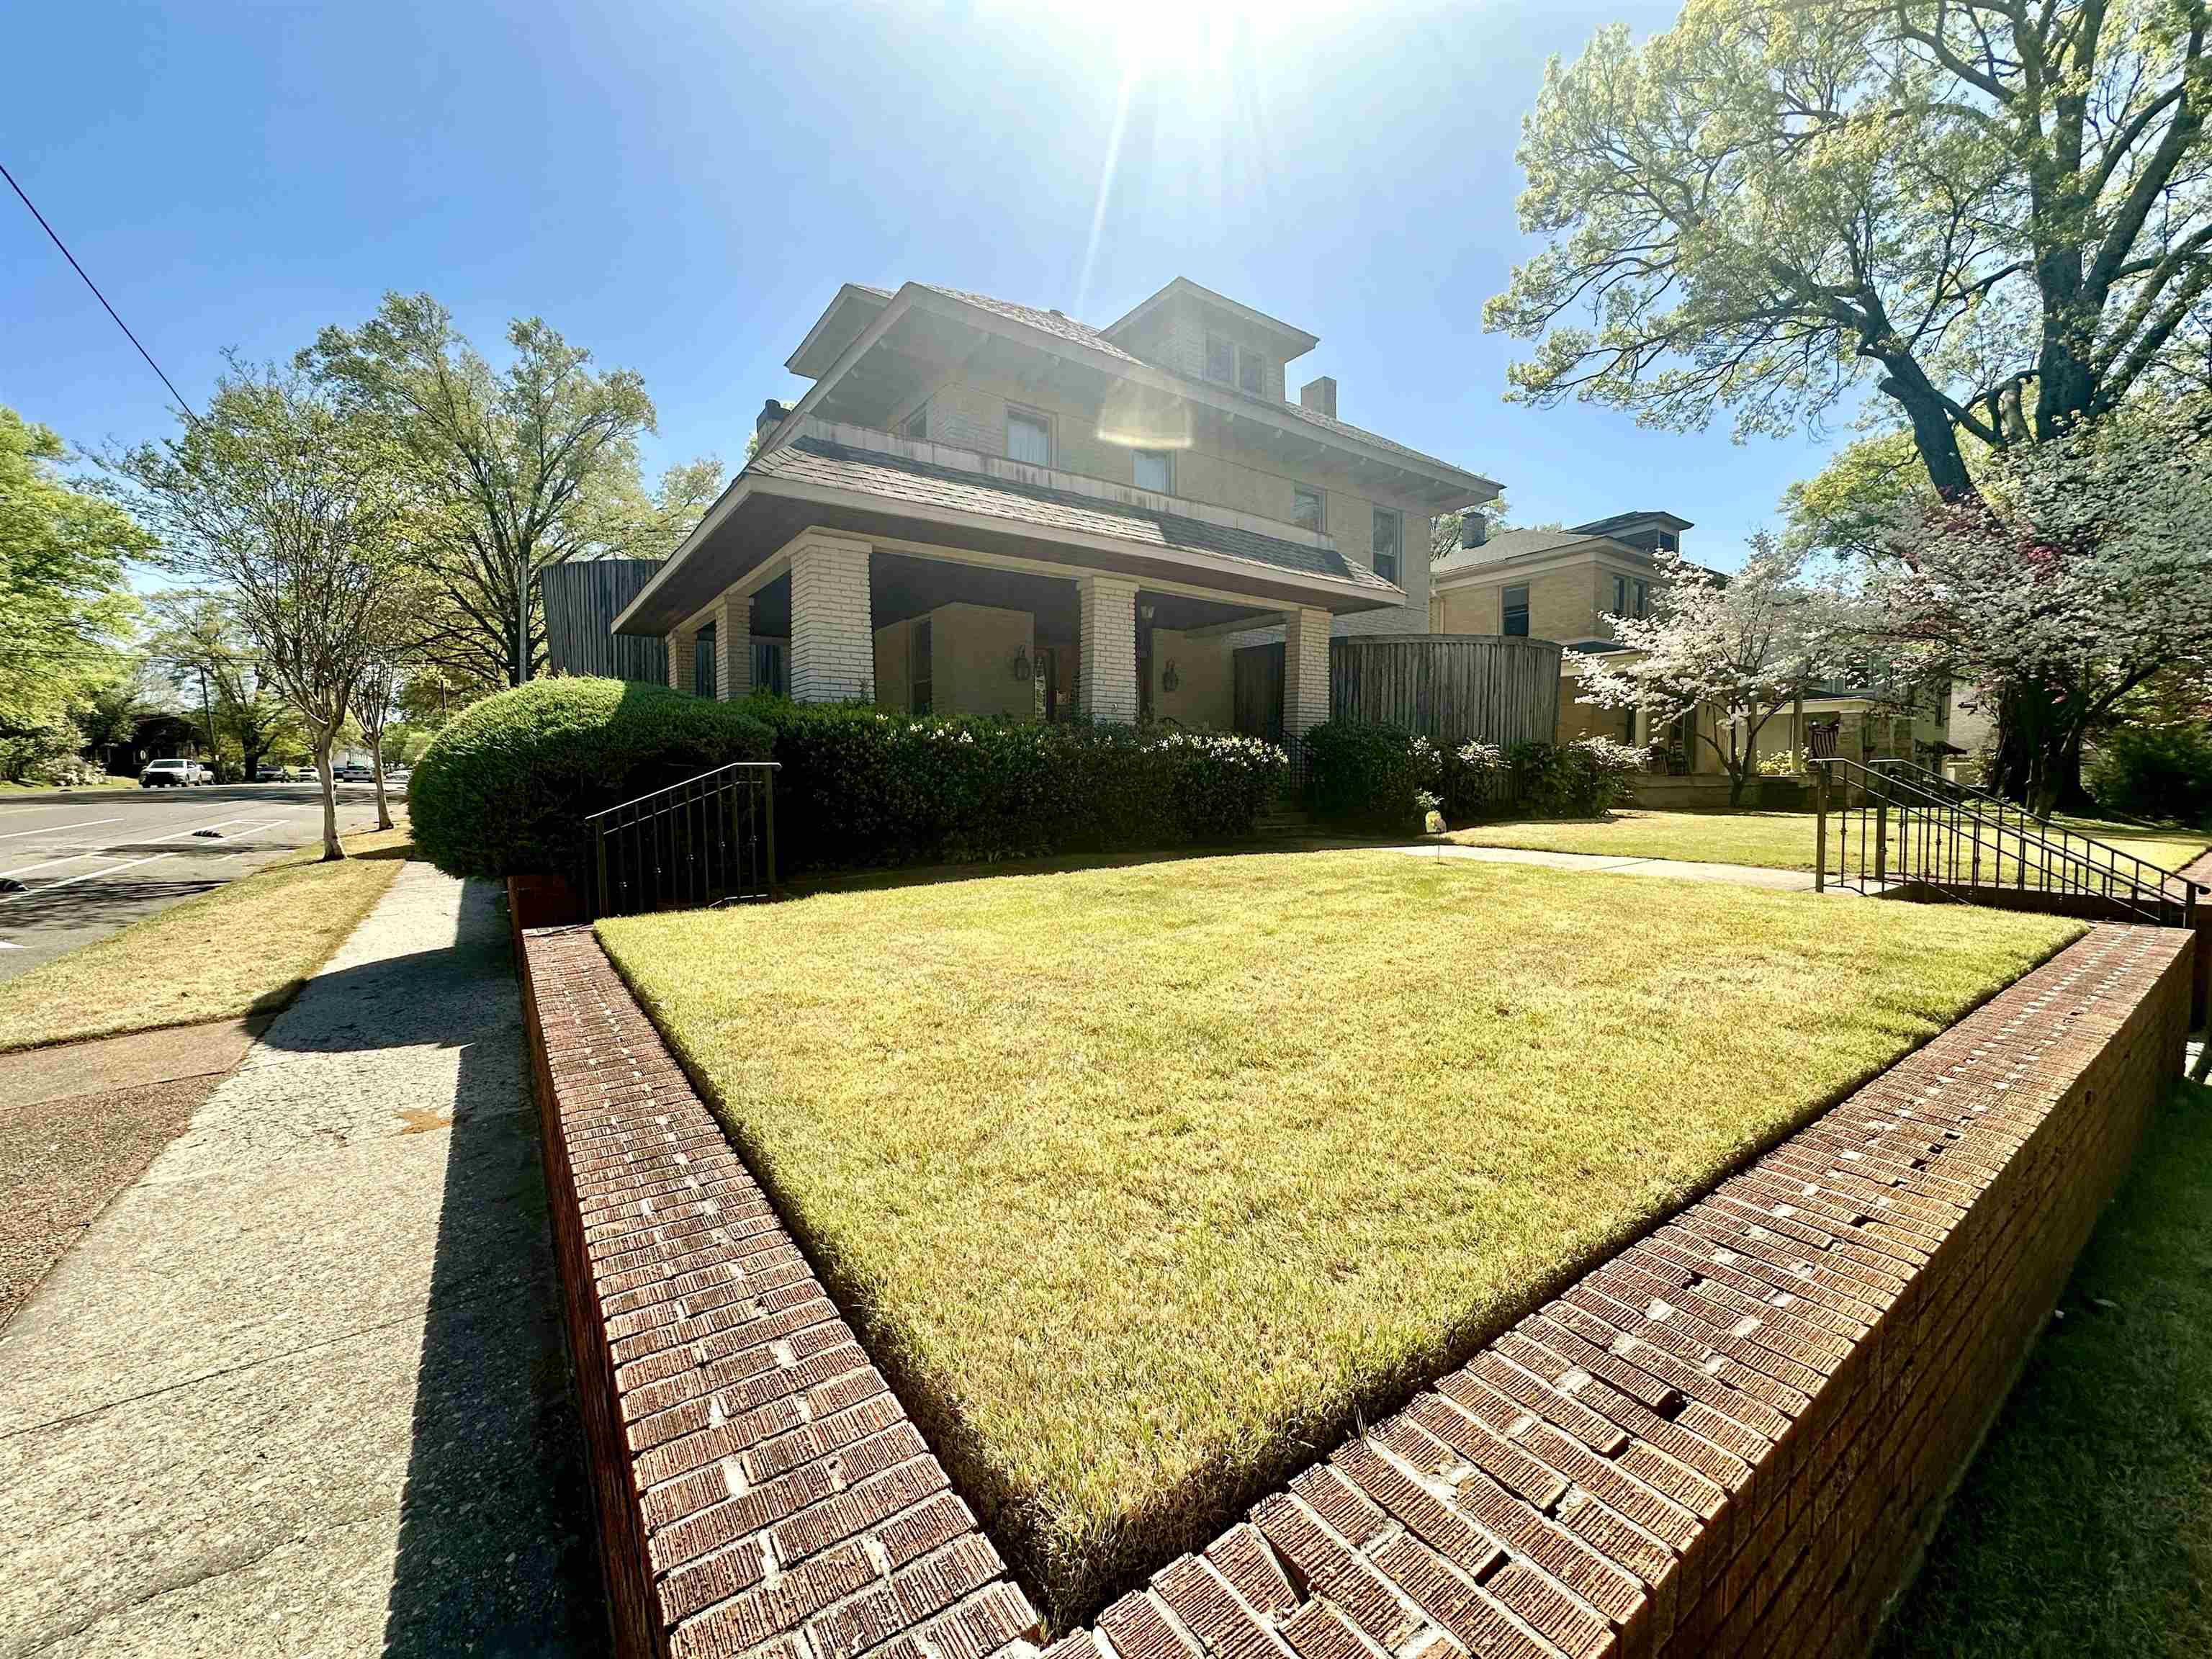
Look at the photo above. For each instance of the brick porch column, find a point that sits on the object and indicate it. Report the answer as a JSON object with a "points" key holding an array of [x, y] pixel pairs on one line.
{"points": [[833, 642], [1305, 670], [683, 647], [1107, 680], [733, 648]]}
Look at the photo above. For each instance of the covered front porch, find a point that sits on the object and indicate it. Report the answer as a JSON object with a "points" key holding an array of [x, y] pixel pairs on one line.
{"points": [[931, 630]]}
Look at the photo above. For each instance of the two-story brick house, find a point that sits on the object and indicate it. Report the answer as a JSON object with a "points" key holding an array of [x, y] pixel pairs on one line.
{"points": [[1566, 584], [981, 507]]}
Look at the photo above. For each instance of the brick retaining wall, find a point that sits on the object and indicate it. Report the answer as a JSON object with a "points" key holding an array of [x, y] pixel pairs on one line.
{"points": [[758, 1486], [1732, 1439]]}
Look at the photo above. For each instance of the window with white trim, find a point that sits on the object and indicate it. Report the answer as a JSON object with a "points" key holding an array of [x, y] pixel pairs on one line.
{"points": [[1028, 438], [1387, 544]]}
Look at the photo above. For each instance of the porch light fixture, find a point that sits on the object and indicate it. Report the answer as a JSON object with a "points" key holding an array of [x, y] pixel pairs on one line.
{"points": [[1024, 669], [1169, 680]]}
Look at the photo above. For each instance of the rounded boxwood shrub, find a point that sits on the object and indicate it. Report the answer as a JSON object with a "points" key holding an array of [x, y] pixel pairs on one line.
{"points": [[505, 788]]}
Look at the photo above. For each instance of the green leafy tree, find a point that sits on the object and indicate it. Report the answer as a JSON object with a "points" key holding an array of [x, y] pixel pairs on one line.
{"points": [[211, 662], [512, 469], [1996, 210], [292, 506], [62, 603]]}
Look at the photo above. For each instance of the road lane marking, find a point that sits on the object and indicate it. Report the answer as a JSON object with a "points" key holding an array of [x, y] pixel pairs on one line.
{"points": [[57, 829], [128, 864], [98, 852]]}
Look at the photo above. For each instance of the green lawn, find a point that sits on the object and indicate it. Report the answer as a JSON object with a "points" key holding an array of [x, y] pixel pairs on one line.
{"points": [[238, 949], [1146, 1183], [1780, 840], [2084, 1530]]}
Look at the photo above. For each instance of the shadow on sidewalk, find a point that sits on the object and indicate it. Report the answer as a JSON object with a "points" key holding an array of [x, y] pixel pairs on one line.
{"points": [[495, 1552]]}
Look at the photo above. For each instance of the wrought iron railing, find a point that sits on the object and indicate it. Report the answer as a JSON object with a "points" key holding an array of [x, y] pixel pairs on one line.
{"points": [[707, 839], [1894, 827]]}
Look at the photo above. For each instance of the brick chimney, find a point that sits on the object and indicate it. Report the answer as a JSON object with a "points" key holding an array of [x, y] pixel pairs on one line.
{"points": [[770, 417], [1473, 527], [1320, 396]]}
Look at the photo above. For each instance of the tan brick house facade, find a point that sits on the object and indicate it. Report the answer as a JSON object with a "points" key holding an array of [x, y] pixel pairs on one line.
{"points": [[983, 507]]}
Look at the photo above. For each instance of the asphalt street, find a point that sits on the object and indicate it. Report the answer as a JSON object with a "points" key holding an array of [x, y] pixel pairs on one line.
{"points": [[89, 862]]}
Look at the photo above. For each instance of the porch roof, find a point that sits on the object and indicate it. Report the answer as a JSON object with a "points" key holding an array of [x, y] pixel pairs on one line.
{"points": [[815, 480]]}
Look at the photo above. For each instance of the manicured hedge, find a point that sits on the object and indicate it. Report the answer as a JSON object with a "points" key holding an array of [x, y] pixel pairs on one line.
{"points": [[861, 788], [504, 789], [1387, 780]]}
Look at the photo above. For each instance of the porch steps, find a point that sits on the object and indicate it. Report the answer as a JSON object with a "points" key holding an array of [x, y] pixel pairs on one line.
{"points": [[1284, 821]]}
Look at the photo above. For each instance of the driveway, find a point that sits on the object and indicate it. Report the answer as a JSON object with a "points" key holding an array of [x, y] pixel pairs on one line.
{"points": [[91, 863]]}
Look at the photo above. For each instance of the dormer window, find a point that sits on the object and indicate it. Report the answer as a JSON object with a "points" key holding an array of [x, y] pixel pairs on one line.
{"points": [[1155, 471], [1670, 541], [1235, 365]]}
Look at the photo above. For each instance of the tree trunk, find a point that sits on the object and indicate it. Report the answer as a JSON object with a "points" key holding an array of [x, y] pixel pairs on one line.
{"points": [[332, 846], [376, 764], [1933, 434], [1737, 782]]}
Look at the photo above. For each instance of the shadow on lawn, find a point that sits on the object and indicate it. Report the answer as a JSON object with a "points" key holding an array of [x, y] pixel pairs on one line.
{"points": [[495, 1553], [810, 882]]}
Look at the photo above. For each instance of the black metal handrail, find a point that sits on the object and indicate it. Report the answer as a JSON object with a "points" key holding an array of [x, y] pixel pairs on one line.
{"points": [[2086, 846], [1911, 833], [707, 839]]}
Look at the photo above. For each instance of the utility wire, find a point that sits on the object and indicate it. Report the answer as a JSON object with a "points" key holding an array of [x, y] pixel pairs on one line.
{"points": [[190, 414]]}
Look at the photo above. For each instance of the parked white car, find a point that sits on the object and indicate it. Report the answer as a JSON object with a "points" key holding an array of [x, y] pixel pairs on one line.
{"points": [[171, 775]]}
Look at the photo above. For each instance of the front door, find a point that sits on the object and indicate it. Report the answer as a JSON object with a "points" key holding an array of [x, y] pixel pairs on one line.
{"points": [[1257, 691]]}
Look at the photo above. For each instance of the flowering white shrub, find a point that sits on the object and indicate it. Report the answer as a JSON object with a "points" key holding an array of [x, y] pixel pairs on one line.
{"points": [[2082, 568]]}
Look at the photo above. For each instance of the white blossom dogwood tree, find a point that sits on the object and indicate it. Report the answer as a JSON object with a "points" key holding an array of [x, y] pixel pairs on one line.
{"points": [[2082, 569], [1748, 645]]}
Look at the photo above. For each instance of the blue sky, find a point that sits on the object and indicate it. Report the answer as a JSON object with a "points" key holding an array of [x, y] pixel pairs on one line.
{"points": [[681, 186]]}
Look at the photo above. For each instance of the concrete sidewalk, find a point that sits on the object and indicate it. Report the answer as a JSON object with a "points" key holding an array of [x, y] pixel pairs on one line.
{"points": [[1734, 875], [300, 1388]]}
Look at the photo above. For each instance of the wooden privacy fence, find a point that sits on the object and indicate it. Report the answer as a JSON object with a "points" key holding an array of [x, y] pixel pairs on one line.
{"points": [[582, 599], [1448, 687]]}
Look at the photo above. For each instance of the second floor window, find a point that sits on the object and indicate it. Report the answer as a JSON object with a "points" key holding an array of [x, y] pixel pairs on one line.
{"points": [[1220, 360], [1305, 507], [1155, 471], [1620, 595], [1386, 544], [1028, 438], [1515, 620], [917, 425], [1643, 598], [1251, 372]]}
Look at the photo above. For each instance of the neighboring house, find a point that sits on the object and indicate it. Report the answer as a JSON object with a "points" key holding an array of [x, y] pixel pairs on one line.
{"points": [[986, 508], [1563, 585]]}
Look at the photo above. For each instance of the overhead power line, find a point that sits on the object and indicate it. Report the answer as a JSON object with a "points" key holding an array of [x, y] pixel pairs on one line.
{"points": [[190, 413]]}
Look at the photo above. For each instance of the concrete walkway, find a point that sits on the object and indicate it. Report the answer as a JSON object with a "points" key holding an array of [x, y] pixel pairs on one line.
{"points": [[80, 1121], [1736, 875], [300, 1388]]}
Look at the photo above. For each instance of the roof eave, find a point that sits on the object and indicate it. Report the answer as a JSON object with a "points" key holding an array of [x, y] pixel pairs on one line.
{"points": [[1349, 596]]}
